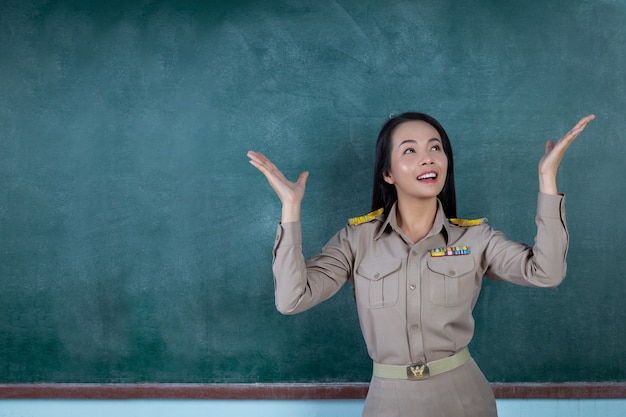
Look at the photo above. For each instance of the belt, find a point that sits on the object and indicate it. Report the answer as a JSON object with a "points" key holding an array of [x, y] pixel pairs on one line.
{"points": [[421, 370]]}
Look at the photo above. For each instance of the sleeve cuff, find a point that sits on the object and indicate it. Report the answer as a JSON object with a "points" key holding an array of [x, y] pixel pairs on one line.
{"points": [[551, 205], [288, 234]]}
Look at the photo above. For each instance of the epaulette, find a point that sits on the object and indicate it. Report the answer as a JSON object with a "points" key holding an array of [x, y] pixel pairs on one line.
{"points": [[367, 218], [467, 222]]}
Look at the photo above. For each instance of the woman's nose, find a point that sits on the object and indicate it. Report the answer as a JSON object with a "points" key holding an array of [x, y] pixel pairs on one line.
{"points": [[426, 160]]}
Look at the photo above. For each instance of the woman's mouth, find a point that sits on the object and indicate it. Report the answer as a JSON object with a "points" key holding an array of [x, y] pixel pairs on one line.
{"points": [[427, 176]]}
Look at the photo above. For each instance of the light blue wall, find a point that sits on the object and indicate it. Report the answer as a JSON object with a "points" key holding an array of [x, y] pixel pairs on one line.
{"points": [[266, 408]]}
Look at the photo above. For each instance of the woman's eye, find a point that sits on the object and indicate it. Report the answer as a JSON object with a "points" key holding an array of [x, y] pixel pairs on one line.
{"points": [[409, 150], [435, 148]]}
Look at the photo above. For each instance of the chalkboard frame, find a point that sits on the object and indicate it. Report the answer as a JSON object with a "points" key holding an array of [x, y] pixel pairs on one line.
{"points": [[334, 391]]}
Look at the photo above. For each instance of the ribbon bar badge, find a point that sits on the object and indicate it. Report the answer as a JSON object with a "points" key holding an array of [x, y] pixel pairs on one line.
{"points": [[451, 251]]}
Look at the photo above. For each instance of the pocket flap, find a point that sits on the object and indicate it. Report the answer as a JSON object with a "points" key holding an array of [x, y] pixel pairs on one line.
{"points": [[451, 266], [379, 269]]}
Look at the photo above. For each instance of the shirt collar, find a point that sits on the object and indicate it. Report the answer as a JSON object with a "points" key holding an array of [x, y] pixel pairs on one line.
{"points": [[441, 224]]}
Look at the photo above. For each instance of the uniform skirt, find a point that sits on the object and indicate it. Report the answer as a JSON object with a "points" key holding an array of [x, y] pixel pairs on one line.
{"points": [[461, 392]]}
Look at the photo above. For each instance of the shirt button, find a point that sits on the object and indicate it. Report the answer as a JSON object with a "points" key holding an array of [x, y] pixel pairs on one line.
{"points": [[377, 275], [414, 253], [412, 286], [452, 273], [414, 326]]}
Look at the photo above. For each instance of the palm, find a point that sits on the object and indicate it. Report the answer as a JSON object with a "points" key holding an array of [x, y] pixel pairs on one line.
{"points": [[549, 164], [288, 192]]}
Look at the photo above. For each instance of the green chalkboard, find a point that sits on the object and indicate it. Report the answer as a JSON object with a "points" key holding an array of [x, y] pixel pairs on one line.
{"points": [[135, 238]]}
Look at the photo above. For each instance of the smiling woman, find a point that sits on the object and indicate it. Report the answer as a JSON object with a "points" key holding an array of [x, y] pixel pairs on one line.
{"points": [[385, 193], [418, 173], [416, 272]]}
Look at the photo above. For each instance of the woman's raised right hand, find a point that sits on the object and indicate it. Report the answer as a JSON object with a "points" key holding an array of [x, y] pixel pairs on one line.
{"points": [[289, 193]]}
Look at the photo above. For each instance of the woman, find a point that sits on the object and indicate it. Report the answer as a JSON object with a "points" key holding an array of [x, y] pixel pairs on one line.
{"points": [[416, 270]]}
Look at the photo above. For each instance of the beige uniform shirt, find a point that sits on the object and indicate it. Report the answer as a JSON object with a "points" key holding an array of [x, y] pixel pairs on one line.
{"points": [[413, 306]]}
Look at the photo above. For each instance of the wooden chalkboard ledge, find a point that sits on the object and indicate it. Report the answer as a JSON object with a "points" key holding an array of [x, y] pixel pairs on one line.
{"points": [[285, 391]]}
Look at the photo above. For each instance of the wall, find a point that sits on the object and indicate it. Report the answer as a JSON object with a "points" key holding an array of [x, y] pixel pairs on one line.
{"points": [[318, 408]]}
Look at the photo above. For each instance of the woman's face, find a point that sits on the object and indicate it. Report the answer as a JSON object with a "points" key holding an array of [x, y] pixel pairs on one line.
{"points": [[418, 162]]}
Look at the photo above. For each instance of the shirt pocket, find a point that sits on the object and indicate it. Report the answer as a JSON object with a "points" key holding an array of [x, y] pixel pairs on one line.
{"points": [[377, 283], [451, 280]]}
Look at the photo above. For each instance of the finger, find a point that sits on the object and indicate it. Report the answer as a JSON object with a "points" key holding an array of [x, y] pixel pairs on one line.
{"points": [[580, 126], [266, 166], [273, 175], [259, 158], [255, 155], [582, 123], [255, 158], [585, 120], [549, 146], [569, 137], [302, 178]]}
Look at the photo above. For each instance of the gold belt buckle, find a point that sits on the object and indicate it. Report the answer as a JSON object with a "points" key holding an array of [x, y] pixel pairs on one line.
{"points": [[417, 371]]}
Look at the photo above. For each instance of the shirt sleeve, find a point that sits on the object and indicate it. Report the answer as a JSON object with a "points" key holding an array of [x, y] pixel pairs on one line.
{"points": [[300, 285], [543, 264]]}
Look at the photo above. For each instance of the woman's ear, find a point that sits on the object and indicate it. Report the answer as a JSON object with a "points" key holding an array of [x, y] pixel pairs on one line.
{"points": [[388, 177]]}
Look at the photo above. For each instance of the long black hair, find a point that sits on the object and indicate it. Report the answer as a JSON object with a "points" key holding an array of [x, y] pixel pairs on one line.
{"points": [[384, 194]]}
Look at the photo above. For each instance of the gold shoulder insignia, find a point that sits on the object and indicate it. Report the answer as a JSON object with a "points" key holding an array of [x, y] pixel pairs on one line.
{"points": [[468, 222], [367, 218]]}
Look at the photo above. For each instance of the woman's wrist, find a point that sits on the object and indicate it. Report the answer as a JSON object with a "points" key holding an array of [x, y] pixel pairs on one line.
{"points": [[547, 184], [290, 212]]}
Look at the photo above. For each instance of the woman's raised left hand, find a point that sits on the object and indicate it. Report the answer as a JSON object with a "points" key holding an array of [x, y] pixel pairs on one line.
{"points": [[549, 164]]}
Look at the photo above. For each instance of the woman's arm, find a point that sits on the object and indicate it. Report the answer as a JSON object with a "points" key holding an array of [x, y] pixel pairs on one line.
{"points": [[543, 265], [299, 285]]}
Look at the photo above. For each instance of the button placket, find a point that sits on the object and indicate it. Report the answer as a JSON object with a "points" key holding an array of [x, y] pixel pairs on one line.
{"points": [[414, 296]]}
